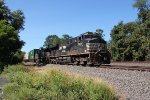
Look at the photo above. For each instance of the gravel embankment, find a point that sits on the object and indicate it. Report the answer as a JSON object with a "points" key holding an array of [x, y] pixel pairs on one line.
{"points": [[133, 85]]}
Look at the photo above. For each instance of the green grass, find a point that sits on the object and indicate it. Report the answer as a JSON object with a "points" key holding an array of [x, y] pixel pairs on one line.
{"points": [[26, 84]]}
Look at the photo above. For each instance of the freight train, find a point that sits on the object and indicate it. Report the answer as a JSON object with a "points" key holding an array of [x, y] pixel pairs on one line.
{"points": [[87, 49]]}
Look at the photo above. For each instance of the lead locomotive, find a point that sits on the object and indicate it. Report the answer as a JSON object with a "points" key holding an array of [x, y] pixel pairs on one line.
{"points": [[88, 48]]}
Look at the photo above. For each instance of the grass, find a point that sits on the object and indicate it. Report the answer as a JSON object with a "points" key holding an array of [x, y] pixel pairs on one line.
{"points": [[52, 84]]}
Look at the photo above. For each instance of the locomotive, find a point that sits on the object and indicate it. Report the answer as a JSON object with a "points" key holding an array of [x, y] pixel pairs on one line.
{"points": [[87, 49]]}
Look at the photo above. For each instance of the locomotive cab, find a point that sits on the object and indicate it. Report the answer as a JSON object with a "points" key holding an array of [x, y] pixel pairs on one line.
{"points": [[93, 42]]}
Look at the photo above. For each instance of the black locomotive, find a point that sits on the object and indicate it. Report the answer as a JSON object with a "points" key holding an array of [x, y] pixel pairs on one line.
{"points": [[87, 49]]}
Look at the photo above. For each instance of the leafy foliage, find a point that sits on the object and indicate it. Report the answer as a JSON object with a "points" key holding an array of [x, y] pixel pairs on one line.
{"points": [[99, 32], [52, 40], [142, 4], [65, 37], [54, 85], [131, 41], [10, 44]]}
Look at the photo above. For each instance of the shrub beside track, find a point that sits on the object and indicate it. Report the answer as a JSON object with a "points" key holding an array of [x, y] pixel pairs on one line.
{"points": [[27, 84]]}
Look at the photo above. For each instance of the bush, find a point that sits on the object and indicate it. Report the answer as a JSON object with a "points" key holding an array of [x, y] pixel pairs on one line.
{"points": [[53, 85], [15, 68], [13, 91]]}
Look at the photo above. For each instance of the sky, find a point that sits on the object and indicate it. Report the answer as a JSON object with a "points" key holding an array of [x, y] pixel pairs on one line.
{"points": [[73, 17]]}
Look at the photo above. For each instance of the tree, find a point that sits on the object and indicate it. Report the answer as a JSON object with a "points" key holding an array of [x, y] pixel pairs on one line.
{"points": [[4, 11], [99, 32], [142, 4], [65, 38], [143, 7], [11, 23], [17, 19], [117, 41], [51, 40], [131, 41]]}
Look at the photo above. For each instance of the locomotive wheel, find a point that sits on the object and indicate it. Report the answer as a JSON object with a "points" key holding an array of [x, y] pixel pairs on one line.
{"points": [[83, 63], [90, 64], [58, 62], [52, 62], [98, 65], [37, 62], [61, 63], [77, 63]]}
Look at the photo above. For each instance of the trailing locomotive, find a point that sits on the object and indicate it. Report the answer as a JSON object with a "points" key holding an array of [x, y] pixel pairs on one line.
{"points": [[87, 49]]}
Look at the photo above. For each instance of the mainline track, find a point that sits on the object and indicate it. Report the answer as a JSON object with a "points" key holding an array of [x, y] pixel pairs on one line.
{"points": [[119, 65], [122, 67]]}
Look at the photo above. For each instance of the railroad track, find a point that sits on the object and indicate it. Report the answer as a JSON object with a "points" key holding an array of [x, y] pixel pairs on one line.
{"points": [[119, 65], [126, 67]]}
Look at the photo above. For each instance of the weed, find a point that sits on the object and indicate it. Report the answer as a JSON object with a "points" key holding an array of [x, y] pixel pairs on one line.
{"points": [[54, 84]]}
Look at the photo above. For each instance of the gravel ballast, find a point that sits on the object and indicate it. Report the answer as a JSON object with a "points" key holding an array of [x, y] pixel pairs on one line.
{"points": [[133, 85]]}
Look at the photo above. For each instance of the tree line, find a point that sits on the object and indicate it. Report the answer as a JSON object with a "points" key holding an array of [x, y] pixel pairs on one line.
{"points": [[131, 41], [52, 40]]}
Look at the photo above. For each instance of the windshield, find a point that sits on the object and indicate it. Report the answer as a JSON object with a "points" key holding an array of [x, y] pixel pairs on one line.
{"points": [[91, 36]]}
